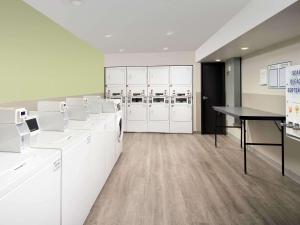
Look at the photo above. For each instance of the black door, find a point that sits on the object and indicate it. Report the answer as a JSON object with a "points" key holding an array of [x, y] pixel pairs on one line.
{"points": [[212, 94]]}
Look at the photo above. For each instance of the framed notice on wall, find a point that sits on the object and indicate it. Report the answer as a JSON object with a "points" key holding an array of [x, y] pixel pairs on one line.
{"points": [[293, 101], [277, 74]]}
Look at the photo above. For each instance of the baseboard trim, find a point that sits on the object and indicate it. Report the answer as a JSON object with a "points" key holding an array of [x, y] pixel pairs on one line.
{"points": [[289, 173]]}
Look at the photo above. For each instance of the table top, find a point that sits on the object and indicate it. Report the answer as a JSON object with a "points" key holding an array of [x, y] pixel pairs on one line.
{"points": [[248, 113]]}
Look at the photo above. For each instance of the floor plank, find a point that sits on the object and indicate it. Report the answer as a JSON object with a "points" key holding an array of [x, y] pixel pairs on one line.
{"points": [[177, 179]]}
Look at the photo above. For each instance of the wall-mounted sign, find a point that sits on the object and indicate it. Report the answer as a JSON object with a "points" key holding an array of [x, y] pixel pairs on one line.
{"points": [[277, 74], [293, 101]]}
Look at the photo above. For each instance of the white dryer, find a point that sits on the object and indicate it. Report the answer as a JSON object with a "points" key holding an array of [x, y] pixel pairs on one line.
{"points": [[137, 109], [115, 124], [136, 76], [118, 92], [74, 147], [159, 75], [181, 91], [181, 114], [158, 109], [115, 76], [30, 187], [181, 75]]}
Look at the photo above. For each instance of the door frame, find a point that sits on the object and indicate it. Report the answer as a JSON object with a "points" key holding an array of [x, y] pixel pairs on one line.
{"points": [[201, 96]]}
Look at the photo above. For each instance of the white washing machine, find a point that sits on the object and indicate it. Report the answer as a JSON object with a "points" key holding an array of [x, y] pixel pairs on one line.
{"points": [[74, 147], [100, 151], [119, 93], [30, 180], [30, 184], [137, 109], [158, 109]]}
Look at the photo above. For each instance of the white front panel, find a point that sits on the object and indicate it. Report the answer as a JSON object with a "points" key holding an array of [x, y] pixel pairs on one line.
{"points": [[158, 75], [158, 90], [137, 90], [115, 91], [159, 112], [181, 127], [181, 113], [137, 112], [136, 75], [116, 75], [36, 201], [95, 173], [181, 90], [75, 196], [181, 75]]}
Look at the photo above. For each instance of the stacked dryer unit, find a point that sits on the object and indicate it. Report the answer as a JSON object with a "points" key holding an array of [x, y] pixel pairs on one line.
{"points": [[181, 107], [115, 80], [158, 92], [156, 99], [137, 106]]}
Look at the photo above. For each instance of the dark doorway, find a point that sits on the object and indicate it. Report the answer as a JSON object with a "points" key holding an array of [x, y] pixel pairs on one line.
{"points": [[212, 94]]}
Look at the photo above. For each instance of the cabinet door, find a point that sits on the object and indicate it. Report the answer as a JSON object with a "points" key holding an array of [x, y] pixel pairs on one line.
{"points": [[159, 112], [137, 75], [158, 75], [181, 113], [181, 75], [115, 76], [137, 112]]}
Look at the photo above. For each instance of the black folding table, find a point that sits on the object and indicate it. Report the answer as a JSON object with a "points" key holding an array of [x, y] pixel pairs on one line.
{"points": [[245, 114]]}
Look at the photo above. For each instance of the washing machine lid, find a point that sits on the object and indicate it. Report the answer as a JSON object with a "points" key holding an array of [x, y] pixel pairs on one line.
{"points": [[80, 125], [15, 168], [57, 140]]}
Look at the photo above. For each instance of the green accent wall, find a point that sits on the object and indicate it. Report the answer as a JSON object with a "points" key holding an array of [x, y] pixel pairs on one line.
{"points": [[40, 59]]}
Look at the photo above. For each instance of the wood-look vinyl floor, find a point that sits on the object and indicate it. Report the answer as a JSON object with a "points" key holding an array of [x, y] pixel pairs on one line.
{"points": [[176, 179]]}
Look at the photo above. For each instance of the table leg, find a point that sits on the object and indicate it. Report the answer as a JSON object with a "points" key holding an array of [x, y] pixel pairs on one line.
{"points": [[216, 124], [241, 133], [282, 148], [245, 148]]}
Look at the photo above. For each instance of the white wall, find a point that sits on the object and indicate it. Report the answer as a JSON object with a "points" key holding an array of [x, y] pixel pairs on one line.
{"points": [[272, 100], [162, 58], [253, 14]]}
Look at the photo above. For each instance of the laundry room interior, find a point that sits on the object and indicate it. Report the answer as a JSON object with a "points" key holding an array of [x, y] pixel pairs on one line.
{"points": [[150, 112]]}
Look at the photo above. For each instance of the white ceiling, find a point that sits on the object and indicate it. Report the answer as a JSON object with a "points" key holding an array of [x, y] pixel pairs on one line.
{"points": [[278, 30], [141, 25]]}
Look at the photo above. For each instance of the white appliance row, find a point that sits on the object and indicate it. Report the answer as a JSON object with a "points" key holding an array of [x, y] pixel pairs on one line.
{"points": [[154, 75], [154, 99], [53, 168]]}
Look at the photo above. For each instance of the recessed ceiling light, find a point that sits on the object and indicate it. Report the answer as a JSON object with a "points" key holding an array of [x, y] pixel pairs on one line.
{"points": [[165, 48], [169, 33], [122, 50], [218, 60], [76, 2], [108, 35], [244, 48]]}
